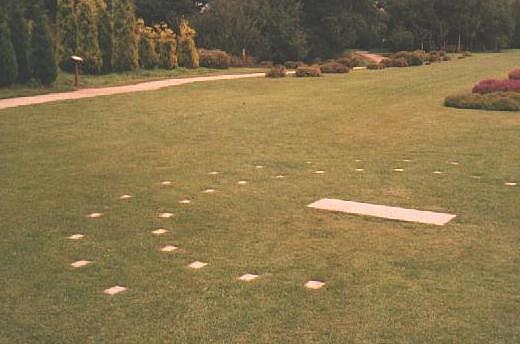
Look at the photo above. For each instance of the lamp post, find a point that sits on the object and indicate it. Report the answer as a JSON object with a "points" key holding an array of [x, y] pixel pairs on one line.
{"points": [[77, 60]]}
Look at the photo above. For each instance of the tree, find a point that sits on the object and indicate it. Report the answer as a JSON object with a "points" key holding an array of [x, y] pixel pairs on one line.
{"points": [[124, 48], [267, 29], [516, 21], [44, 62], [66, 34], [148, 57], [87, 44], [8, 65], [166, 47], [167, 11], [20, 39], [188, 55], [105, 29]]}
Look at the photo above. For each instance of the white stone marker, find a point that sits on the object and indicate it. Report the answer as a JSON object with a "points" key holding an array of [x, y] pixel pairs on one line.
{"points": [[314, 285], [319, 172], [94, 215], [160, 231], [125, 197], [398, 170], [76, 237], [166, 183], [511, 184], [247, 277], [360, 169], [115, 290], [80, 263], [197, 265], [214, 173], [382, 211], [242, 182], [455, 163], [438, 172], [165, 215], [169, 248], [185, 201], [259, 167], [209, 191], [280, 177]]}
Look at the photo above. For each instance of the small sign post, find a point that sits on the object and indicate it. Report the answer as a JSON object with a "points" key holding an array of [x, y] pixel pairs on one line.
{"points": [[77, 60]]}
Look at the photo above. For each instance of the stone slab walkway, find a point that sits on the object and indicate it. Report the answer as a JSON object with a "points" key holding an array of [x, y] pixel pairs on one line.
{"points": [[106, 91], [382, 211], [373, 57]]}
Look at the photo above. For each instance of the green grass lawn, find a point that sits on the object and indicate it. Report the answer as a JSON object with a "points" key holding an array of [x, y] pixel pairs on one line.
{"points": [[65, 81], [387, 281]]}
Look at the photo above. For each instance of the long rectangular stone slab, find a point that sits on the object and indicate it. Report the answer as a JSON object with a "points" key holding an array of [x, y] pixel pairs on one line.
{"points": [[383, 211]]}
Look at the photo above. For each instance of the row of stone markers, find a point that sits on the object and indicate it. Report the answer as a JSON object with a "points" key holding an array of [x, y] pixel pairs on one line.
{"points": [[196, 265]]}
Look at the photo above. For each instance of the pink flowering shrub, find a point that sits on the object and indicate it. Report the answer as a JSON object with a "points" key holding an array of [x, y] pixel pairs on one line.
{"points": [[490, 86], [515, 74]]}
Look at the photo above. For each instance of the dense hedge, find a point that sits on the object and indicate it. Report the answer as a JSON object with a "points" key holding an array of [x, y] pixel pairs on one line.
{"points": [[277, 71], [376, 66], [214, 59], [501, 101], [514, 74], [491, 85], [293, 64], [308, 71], [334, 67]]}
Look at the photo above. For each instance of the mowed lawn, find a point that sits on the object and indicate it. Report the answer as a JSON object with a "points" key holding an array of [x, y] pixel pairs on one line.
{"points": [[386, 281]]}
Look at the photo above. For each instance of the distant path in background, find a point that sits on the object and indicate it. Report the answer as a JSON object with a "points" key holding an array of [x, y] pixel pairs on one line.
{"points": [[373, 57], [106, 91]]}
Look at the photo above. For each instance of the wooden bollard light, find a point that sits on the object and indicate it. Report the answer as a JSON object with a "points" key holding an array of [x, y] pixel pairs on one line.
{"points": [[77, 60]]}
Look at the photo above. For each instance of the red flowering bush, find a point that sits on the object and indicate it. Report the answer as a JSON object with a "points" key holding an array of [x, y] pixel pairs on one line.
{"points": [[515, 74], [490, 86]]}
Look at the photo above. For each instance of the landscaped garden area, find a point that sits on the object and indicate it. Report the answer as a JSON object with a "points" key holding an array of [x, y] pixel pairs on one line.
{"points": [[92, 183], [259, 171]]}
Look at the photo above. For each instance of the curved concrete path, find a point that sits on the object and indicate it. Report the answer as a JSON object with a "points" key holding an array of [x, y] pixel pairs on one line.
{"points": [[106, 91]]}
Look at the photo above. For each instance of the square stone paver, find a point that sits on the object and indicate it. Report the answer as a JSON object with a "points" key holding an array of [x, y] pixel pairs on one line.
{"points": [[94, 215], [165, 215], [247, 277], [125, 197], [314, 285], [115, 290], [160, 231], [197, 265], [169, 248], [76, 237], [80, 263]]}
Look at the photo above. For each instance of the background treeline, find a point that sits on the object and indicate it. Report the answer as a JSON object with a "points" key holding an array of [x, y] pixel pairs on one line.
{"points": [[297, 29], [36, 36]]}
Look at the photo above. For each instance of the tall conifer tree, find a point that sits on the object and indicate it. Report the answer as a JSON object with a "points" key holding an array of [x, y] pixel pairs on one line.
{"points": [[88, 45], [124, 48]]}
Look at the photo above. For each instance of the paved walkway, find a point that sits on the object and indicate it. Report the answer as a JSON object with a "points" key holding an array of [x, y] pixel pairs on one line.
{"points": [[373, 57], [105, 91]]}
